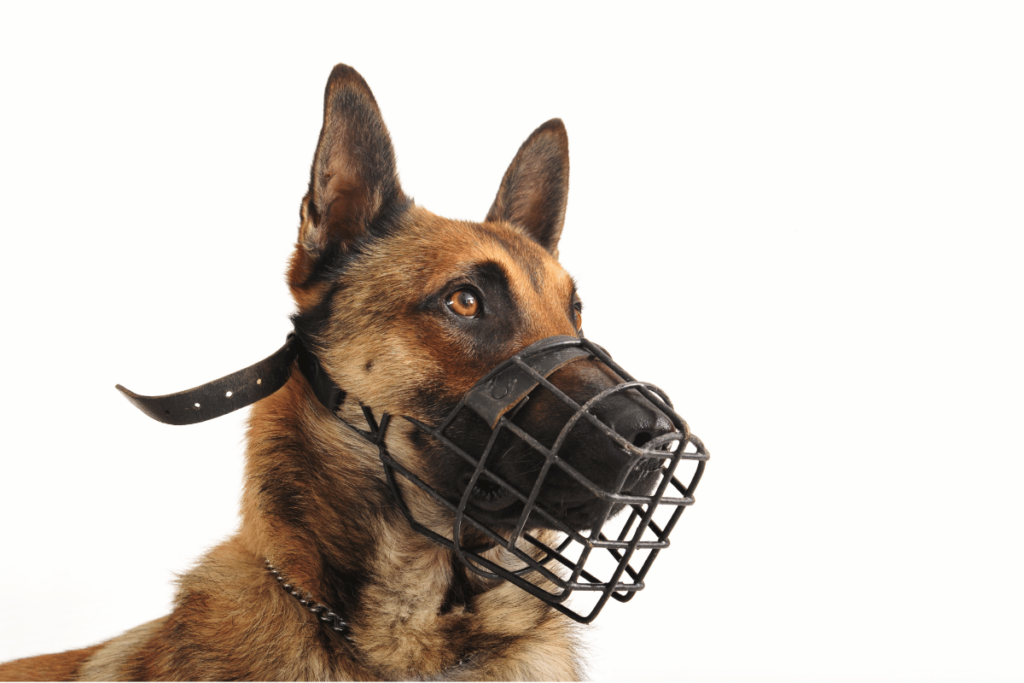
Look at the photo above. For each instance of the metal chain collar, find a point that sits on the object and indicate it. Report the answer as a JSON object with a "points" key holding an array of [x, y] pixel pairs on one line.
{"points": [[325, 614]]}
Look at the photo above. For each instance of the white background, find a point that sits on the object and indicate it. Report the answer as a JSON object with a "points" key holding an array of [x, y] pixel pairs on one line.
{"points": [[802, 220]]}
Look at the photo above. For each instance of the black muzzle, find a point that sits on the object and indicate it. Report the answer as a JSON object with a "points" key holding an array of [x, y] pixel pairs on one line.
{"points": [[535, 526]]}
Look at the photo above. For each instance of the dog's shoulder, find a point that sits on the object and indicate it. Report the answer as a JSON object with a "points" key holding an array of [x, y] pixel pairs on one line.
{"points": [[226, 610]]}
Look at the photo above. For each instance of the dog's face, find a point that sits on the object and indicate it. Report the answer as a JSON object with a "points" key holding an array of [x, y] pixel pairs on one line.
{"points": [[408, 310]]}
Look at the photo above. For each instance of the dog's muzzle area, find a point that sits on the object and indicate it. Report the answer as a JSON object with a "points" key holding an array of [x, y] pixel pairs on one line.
{"points": [[586, 449], [574, 469]]}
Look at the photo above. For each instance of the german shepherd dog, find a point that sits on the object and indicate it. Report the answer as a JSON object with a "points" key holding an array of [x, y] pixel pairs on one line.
{"points": [[405, 311]]}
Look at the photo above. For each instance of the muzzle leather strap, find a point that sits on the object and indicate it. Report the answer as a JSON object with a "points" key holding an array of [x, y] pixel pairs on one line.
{"points": [[324, 388], [501, 390], [224, 395], [241, 389]]}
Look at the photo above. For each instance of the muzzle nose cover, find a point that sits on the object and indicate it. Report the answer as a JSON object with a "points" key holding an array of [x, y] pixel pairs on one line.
{"points": [[554, 562]]}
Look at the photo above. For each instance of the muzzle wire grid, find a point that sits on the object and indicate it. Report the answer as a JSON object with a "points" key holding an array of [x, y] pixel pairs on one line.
{"points": [[640, 538]]}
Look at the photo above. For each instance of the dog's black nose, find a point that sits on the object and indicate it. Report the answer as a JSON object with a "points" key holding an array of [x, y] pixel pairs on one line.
{"points": [[634, 418]]}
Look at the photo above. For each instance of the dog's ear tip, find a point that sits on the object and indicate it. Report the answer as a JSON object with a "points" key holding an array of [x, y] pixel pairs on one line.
{"points": [[344, 76], [554, 127], [342, 72]]}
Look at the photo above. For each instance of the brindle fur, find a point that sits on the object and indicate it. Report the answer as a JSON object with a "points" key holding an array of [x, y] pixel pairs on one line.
{"points": [[369, 275]]}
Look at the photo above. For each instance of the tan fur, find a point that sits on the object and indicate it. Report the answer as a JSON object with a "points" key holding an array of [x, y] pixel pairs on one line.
{"points": [[112, 660], [314, 501], [62, 666]]}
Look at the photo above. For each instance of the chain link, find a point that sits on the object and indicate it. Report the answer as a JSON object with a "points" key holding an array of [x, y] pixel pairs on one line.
{"points": [[325, 614]]}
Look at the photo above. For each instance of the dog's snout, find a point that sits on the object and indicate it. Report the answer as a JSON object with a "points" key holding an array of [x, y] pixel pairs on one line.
{"points": [[634, 418]]}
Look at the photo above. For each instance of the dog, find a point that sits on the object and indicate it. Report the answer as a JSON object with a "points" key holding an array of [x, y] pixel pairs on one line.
{"points": [[343, 570]]}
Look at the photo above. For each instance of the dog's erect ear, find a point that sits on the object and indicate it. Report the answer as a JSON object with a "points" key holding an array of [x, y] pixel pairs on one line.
{"points": [[535, 188], [353, 180]]}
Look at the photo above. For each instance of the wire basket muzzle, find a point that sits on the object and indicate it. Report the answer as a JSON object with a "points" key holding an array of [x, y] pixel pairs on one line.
{"points": [[542, 552]]}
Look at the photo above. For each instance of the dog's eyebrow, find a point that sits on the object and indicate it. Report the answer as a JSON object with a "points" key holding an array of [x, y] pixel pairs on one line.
{"points": [[492, 273], [489, 275], [493, 277], [522, 255]]}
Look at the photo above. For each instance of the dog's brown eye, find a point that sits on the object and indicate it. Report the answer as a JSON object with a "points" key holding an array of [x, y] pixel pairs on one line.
{"points": [[464, 303], [577, 309]]}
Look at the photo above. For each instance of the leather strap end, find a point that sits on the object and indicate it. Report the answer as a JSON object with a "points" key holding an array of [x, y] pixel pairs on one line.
{"points": [[221, 396]]}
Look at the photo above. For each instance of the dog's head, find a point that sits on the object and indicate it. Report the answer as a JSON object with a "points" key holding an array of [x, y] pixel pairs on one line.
{"points": [[407, 311]]}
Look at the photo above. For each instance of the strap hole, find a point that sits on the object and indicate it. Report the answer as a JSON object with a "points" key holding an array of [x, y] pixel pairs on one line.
{"points": [[197, 405], [228, 394], [259, 381]]}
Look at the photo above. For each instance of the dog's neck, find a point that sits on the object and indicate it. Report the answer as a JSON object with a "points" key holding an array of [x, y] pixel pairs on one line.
{"points": [[317, 505]]}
